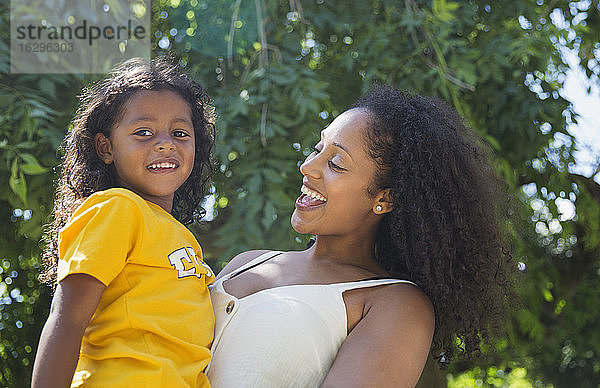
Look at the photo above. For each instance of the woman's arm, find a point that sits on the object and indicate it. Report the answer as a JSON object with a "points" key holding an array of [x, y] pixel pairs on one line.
{"points": [[388, 347], [73, 304]]}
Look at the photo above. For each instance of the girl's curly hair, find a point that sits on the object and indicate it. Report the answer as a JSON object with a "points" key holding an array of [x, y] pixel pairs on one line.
{"points": [[444, 232], [83, 173]]}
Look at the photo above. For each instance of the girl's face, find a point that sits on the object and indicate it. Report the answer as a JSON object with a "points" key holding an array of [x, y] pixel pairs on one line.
{"points": [[334, 199], [152, 147]]}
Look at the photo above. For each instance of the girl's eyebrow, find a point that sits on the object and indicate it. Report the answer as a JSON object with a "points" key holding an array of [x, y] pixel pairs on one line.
{"points": [[151, 118]]}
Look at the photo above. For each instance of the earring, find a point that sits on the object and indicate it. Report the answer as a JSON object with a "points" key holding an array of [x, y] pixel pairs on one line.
{"points": [[378, 208]]}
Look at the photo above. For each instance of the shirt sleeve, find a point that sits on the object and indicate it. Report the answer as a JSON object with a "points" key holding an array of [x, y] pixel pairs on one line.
{"points": [[100, 236]]}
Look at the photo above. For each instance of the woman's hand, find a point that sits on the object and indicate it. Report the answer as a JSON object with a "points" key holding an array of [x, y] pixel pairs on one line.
{"points": [[73, 304], [388, 347]]}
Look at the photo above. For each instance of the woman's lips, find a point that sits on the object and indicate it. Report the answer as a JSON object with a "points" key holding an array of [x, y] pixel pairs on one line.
{"points": [[305, 202]]}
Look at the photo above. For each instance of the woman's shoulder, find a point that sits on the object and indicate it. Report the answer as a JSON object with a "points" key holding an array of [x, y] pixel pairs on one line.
{"points": [[399, 314], [404, 301], [241, 260]]}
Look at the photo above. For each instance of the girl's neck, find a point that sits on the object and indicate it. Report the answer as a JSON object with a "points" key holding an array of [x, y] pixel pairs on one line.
{"points": [[166, 203]]}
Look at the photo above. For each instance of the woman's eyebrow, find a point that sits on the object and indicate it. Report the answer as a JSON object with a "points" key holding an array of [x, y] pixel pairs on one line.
{"points": [[338, 145], [342, 147]]}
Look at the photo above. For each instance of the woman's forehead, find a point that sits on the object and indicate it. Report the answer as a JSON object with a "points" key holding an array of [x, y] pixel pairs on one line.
{"points": [[350, 126]]}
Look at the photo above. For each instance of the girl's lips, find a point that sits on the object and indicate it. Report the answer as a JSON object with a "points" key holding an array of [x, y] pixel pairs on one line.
{"points": [[165, 166], [162, 170], [305, 202]]}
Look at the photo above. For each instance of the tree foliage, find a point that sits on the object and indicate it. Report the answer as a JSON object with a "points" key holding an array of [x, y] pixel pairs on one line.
{"points": [[279, 71]]}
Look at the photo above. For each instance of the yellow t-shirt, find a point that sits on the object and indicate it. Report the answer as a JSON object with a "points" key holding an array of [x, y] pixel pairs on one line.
{"points": [[154, 323]]}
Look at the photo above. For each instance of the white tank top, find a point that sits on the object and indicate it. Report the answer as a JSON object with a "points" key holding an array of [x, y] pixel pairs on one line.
{"points": [[284, 336]]}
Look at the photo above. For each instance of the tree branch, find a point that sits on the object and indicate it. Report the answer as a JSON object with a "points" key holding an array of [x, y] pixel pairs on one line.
{"points": [[234, 18]]}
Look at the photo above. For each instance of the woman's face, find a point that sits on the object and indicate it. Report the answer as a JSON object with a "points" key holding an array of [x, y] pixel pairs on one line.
{"points": [[334, 199]]}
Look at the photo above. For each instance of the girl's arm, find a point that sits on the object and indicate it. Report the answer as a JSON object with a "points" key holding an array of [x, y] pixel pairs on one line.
{"points": [[388, 347], [73, 304]]}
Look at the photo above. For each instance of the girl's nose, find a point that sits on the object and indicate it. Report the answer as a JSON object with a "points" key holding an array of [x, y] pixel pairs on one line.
{"points": [[165, 143]]}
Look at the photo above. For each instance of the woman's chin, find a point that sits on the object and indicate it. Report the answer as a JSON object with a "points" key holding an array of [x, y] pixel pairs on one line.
{"points": [[298, 225]]}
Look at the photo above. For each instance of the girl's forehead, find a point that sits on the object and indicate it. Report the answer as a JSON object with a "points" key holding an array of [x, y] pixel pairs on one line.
{"points": [[156, 102], [154, 105], [160, 94]]}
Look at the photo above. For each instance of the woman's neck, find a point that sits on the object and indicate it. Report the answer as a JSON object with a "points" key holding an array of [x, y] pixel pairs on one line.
{"points": [[358, 251]]}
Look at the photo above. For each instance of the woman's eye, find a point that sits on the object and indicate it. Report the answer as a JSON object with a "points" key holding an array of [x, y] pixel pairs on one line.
{"points": [[335, 166], [316, 150], [143, 132]]}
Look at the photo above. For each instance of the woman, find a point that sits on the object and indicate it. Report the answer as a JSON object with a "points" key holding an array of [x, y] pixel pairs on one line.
{"points": [[408, 250]]}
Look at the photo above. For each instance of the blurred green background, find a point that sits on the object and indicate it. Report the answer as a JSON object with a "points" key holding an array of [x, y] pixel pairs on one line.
{"points": [[280, 71]]}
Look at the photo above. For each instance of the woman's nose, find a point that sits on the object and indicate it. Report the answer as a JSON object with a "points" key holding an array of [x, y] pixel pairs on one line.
{"points": [[311, 167]]}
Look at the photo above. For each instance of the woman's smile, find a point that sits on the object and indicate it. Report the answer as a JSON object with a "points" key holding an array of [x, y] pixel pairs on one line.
{"points": [[310, 199]]}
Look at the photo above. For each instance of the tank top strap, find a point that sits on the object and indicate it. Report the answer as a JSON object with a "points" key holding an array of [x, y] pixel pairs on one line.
{"points": [[252, 263], [368, 283]]}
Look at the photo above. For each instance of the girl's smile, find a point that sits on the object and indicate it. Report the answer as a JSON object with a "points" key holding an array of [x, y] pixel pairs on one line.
{"points": [[152, 146], [164, 166]]}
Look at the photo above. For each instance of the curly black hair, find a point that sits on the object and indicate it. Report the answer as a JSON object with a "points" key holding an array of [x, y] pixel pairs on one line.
{"points": [[83, 173], [445, 232]]}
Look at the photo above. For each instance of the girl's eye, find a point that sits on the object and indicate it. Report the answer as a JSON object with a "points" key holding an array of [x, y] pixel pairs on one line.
{"points": [[143, 132], [316, 150], [180, 133]]}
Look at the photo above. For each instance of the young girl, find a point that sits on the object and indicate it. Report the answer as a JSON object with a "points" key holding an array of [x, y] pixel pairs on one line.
{"points": [[131, 306]]}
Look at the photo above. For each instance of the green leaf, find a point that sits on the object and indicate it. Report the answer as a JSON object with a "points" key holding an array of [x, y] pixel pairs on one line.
{"points": [[253, 184], [47, 86], [493, 142], [444, 10], [17, 181], [27, 125], [272, 176], [269, 215], [27, 145], [6, 99], [31, 165], [547, 295], [284, 77], [280, 198]]}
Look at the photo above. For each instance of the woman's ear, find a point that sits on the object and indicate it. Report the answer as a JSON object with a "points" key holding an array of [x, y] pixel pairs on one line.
{"points": [[103, 148], [383, 202]]}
